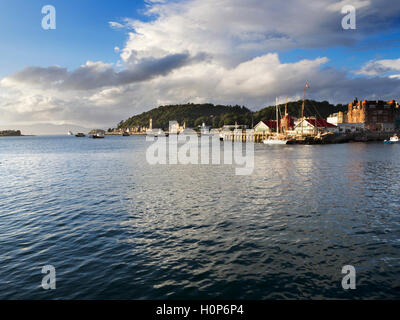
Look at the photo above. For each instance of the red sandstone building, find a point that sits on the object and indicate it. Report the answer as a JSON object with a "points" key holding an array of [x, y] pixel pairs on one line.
{"points": [[374, 115]]}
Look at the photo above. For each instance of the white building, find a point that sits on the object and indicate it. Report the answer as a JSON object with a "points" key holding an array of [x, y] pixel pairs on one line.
{"points": [[313, 126], [265, 126], [333, 118], [174, 127], [350, 127], [204, 129]]}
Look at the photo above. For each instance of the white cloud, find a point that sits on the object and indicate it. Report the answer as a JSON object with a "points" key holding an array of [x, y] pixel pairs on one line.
{"points": [[234, 30], [380, 67], [98, 74], [205, 51], [337, 6], [116, 25]]}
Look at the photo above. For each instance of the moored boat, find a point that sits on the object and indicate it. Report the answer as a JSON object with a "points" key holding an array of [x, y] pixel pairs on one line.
{"points": [[394, 139], [80, 135], [159, 133], [98, 136], [275, 141]]}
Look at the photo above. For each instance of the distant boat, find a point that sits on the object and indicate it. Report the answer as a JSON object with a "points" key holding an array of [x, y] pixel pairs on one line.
{"points": [[206, 133], [98, 135], [125, 134], [394, 139], [70, 133], [276, 140], [156, 133], [80, 135]]}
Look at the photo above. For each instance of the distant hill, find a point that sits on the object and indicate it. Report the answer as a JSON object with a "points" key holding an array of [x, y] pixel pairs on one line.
{"points": [[218, 115], [192, 114], [10, 133], [312, 108], [46, 129]]}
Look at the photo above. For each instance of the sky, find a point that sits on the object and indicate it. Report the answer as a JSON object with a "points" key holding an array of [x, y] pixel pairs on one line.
{"points": [[108, 60]]}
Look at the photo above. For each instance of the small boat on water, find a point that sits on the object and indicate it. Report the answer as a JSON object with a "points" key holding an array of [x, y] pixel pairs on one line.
{"points": [[98, 136], [70, 133], [159, 133], [125, 134], [394, 139], [80, 135]]}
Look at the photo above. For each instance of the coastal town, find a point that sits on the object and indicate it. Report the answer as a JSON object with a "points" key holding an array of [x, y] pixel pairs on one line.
{"points": [[364, 120], [199, 159]]}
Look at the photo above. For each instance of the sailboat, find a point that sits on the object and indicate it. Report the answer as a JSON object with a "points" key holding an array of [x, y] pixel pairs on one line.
{"points": [[276, 140]]}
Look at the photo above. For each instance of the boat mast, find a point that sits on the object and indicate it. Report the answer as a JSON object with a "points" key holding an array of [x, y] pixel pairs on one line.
{"points": [[286, 117], [302, 107], [277, 116]]}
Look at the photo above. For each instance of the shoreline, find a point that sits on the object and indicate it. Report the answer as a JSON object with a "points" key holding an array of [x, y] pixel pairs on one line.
{"points": [[21, 135]]}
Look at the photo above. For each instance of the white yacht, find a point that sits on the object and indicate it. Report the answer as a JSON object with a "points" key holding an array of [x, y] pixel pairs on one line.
{"points": [[274, 141]]}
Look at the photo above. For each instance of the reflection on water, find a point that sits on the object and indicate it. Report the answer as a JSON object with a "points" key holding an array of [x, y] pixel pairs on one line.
{"points": [[117, 228]]}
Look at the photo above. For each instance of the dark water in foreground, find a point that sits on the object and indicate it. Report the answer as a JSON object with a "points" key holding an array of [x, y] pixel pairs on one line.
{"points": [[115, 227]]}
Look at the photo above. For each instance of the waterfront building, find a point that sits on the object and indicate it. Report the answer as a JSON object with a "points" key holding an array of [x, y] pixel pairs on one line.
{"points": [[175, 128], [230, 127], [350, 127], [267, 126], [150, 130], [374, 115], [133, 129], [337, 118], [312, 126], [137, 129]]}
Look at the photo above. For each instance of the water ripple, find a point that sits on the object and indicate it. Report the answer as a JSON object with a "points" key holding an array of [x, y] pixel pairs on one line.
{"points": [[117, 228]]}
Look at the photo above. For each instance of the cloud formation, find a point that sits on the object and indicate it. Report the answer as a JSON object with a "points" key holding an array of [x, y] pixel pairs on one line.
{"points": [[218, 51], [234, 30], [94, 75], [380, 67]]}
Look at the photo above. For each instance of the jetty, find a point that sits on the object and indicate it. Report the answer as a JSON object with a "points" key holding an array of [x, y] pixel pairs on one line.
{"points": [[325, 138]]}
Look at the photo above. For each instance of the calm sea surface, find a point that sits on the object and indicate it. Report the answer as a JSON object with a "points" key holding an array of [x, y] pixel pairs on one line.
{"points": [[115, 227]]}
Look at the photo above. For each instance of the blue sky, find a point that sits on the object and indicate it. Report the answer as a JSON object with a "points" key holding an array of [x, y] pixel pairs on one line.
{"points": [[218, 51], [82, 33]]}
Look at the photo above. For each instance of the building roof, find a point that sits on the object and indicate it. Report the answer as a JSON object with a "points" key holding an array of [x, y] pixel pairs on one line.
{"points": [[270, 123], [320, 123]]}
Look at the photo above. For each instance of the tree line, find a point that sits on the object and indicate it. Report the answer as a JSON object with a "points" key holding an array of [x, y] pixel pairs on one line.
{"points": [[216, 116]]}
